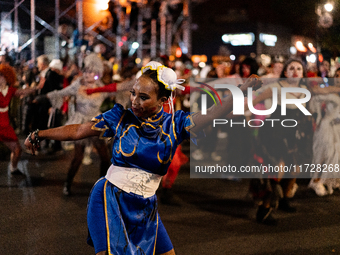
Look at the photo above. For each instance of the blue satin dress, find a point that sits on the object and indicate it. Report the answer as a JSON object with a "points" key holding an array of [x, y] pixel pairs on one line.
{"points": [[127, 223]]}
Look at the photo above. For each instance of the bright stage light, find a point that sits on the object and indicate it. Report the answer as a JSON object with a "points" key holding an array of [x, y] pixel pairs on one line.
{"points": [[328, 7]]}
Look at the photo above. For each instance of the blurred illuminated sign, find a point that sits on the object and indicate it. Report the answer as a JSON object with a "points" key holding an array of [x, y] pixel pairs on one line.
{"points": [[268, 40], [199, 58], [8, 39], [239, 39]]}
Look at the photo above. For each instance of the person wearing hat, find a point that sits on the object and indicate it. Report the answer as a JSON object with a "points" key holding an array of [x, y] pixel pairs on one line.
{"points": [[56, 65]]}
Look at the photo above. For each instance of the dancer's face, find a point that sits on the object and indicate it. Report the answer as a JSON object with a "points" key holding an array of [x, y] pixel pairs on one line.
{"points": [[144, 98]]}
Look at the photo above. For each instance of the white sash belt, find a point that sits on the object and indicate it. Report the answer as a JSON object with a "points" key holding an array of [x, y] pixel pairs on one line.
{"points": [[134, 180], [4, 109]]}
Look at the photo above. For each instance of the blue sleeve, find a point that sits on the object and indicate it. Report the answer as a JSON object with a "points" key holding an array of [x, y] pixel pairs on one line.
{"points": [[109, 121], [183, 124]]}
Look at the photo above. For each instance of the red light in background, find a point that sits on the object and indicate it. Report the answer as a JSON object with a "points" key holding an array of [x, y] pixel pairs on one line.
{"points": [[320, 58], [120, 44], [124, 38], [178, 52]]}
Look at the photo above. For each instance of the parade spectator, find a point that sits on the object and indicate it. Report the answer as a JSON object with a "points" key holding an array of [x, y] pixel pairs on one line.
{"points": [[45, 116], [326, 140], [275, 70], [7, 134], [238, 146], [284, 146]]}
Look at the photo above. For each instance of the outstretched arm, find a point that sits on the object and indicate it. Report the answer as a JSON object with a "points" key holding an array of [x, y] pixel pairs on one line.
{"points": [[107, 88], [326, 90], [216, 111], [64, 133], [25, 92]]}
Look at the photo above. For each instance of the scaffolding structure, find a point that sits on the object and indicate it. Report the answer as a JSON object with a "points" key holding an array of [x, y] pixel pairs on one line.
{"points": [[160, 43]]}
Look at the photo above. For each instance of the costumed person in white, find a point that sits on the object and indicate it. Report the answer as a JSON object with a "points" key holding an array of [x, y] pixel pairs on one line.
{"points": [[87, 106], [326, 141]]}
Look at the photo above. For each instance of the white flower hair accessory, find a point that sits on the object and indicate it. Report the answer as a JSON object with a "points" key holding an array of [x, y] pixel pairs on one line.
{"points": [[138, 74], [165, 75]]}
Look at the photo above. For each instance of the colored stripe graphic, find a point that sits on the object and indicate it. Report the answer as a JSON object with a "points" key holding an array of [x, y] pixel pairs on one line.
{"points": [[206, 91], [204, 84]]}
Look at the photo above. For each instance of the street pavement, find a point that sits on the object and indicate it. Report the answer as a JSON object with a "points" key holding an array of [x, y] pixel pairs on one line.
{"points": [[214, 216]]}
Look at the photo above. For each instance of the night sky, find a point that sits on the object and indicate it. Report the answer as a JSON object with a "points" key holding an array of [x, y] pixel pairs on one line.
{"points": [[212, 17], [297, 14]]}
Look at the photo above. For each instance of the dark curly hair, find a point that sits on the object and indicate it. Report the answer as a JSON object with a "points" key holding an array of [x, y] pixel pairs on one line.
{"points": [[162, 91], [254, 67], [8, 72], [288, 62]]}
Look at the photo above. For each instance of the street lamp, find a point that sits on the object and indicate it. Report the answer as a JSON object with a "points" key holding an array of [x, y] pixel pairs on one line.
{"points": [[103, 5], [324, 13], [300, 47], [328, 7], [325, 20], [311, 47]]}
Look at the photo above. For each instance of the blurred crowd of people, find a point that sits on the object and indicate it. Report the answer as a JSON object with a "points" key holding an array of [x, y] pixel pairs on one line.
{"points": [[60, 92]]}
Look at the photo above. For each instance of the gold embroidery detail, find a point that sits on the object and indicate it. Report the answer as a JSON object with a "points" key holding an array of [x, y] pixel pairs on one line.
{"points": [[159, 159], [120, 143], [106, 220], [120, 121], [154, 248], [191, 126], [147, 124], [96, 121], [121, 118], [150, 119], [134, 149]]}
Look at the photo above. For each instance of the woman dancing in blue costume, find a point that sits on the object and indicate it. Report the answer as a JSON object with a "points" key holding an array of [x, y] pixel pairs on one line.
{"points": [[122, 210]]}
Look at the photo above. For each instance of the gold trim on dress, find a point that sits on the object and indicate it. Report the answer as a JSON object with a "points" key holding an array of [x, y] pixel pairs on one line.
{"points": [[159, 159], [102, 130], [120, 150], [192, 125], [107, 221], [154, 248], [121, 119], [147, 124], [149, 119], [120, 143]]}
